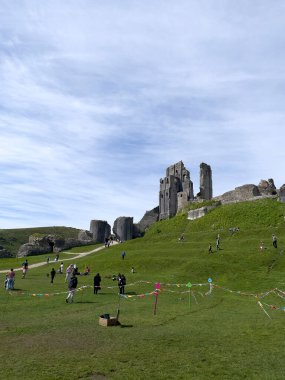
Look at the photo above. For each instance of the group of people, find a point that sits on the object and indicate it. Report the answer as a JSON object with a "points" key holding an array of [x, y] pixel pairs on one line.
{"points": [[73, 282], [108, 241], [274, 243], [71, 279], [261, 245], [218, 242], [121, 279], [10, 276]]}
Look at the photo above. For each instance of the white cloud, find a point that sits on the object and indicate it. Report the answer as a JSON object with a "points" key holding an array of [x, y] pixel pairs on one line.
{"points": [[98, 98]]}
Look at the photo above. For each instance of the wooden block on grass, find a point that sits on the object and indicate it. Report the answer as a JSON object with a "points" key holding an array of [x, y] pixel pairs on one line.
{"points": [[112, 321]]}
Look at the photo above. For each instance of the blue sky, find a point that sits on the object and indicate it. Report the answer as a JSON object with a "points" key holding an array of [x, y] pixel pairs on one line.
{"points": [[98, 98]]}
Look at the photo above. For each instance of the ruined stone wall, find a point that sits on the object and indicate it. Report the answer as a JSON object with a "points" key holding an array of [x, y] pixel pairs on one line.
{"points": [[123, 228], [240, 193], [176, 189], [100, 230], [168, 197], [147, 220], [199, 212], [182, 200], [282, 193], [206, 190], [267, 187]]}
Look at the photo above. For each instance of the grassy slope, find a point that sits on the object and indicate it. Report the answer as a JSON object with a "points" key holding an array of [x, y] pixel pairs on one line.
{"points": [[12, 239], [223, 336]]}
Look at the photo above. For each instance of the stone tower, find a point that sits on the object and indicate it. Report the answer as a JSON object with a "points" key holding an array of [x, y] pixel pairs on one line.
{"points": [[176, 190], [100, 230], [206, 191], [123, 228]]}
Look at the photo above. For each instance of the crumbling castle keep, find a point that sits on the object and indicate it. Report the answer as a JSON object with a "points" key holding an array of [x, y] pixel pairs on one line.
{"points": [[176, 188]]}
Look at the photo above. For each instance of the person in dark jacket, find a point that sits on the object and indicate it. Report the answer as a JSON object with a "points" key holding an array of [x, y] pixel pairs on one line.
{"points": [[72, 285], [52, 275], [121, 283], [97, 282]]}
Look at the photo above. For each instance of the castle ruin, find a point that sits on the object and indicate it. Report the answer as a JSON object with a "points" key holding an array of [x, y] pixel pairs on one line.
{"points": [[206, 191], [176, 189]]}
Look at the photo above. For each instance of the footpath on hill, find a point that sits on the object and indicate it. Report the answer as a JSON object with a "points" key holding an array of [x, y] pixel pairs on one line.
{"points": [[74, 257]]}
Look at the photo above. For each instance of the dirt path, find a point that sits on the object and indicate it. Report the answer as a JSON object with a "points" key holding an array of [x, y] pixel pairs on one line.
{"points": [[74, 257]]}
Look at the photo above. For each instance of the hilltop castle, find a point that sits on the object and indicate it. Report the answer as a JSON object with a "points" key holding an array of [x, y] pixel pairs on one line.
{"points": [[176, 189], [175, 193]]}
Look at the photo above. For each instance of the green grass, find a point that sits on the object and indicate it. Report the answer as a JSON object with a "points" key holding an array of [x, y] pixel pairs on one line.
{"points": [[223, 335], [12, 239]]}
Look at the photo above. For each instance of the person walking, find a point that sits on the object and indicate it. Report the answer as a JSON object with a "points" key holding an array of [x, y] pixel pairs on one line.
{"points": [[10, 279], [121, 283], [52, 275], [68, 273], [123, 255], [218, 241], [72, 285], [210, 248], [25, 267], [61, 268], [274, 241], [97, 283]]}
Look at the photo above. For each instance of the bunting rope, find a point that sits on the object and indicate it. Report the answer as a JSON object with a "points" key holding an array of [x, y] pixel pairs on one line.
{"points": [[164, 288]]}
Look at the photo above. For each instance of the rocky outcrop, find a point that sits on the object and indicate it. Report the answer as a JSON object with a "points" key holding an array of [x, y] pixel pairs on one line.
{"points": [[85, 236], [4, 253], [100, 230], [31, 249], [123, 228], [40, 244]]}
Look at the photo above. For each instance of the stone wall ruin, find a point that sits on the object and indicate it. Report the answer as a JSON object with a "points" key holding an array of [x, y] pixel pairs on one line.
{"points": [[176, 189]]}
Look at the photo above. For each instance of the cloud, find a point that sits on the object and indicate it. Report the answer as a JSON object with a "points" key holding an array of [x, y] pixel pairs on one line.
{"points": [[97, 99]]}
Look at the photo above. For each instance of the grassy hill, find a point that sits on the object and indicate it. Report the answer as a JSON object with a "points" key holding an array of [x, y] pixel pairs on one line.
{"points": [[231, 330], [12, 239]]}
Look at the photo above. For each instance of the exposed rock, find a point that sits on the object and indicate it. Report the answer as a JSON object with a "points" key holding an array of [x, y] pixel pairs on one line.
{"points": [[100, 230], [30, 249], [40, 244], [85, 236], [123, 228], [5, 254]]}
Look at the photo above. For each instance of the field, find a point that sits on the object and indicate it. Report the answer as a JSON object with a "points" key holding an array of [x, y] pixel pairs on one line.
{"points": [[230, 328]]}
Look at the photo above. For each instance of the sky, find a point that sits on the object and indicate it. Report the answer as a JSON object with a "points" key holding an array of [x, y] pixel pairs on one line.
{"points": [[99, 97]]}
